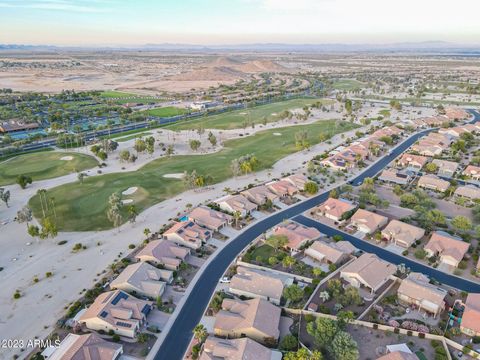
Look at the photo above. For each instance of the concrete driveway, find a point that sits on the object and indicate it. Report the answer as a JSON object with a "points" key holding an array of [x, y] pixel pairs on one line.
{"points": [[158, 318]]}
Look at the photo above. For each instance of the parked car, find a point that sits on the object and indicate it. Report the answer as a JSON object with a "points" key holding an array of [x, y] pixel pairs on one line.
{"points": [[225, 280]]}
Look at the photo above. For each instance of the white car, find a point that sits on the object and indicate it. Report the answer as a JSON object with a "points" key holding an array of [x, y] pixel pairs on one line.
{"points": [[224, 280]]}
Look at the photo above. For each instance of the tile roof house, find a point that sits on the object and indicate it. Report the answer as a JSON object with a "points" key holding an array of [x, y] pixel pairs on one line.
{"points": [[433, 144], [368, 271], [337, 162], [433, 182], [189, 234], [163, 252], [416, 290], [233, 203], [472, 172], [412, 161], [330, 253], [282, 188], [470, 324], [209, 218], [259, 195], [258, 284], [402, 234], [142, 279], [256, 319], [399, 355], [297, 180], [395, 177], [367, 221], [454, 113], [469, 191], [83, 347], [296, 233], [117, 311], [451, 249], [335, 208], [236, 349], [445, 168]]}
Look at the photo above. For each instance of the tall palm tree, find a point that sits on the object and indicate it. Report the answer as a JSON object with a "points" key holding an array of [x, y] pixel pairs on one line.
{"points": [[200, 333]]}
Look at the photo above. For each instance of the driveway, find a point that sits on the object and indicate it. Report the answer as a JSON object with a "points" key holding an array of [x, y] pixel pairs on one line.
{"points": [[195, 261], [229, 231], [158, 318]]}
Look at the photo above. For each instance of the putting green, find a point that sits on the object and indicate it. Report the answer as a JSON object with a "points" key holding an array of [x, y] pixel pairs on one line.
{"points": [[257, 115], [82, 207], [44, 165]]}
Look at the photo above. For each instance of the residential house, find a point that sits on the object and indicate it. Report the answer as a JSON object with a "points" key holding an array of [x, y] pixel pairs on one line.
{"points": [[259, 195], [117, 311], [234, 203], [433, 182], [282, 188], [297, 180], [334, 209], [163, 252], [83, 347], [402, 234], [470, 324], [416, 290], [469, 192], [337, 162], [392, 176], [298, 235], [237, 349], [258, 284], [368, 271], [472, 172], [143, 279], [367, 221], [445, 168], [435, 121], [330, 253], [433, 144], [450, 249], [189, 234], [455, 113], [399, 355], [209, 218], [256, 319], [412, 161]]}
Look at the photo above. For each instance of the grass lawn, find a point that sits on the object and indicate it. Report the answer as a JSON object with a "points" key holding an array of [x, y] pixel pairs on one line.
{"points": [[264, 251], [236, 119], [43, 165], [82, 207], [347, 84], [117, 94], [166, 111]]}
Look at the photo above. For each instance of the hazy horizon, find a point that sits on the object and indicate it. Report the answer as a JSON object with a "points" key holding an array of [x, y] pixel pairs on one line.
{"points": [[217, 22]]}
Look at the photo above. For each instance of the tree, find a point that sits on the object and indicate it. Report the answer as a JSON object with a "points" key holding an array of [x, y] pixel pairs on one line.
{"points": [[49, 228], [303, 354], [288, 261], [277, 241], [33, 231], [311, 187], [146, 232], [23, 180], [344, 347], [102, 155], [170, 150], [294, 293], [5, 195], [431, 168], [124, 155], [80, 177], [323, 331], [301, 140], [114, 209], [288, 343], [200, 333], [324, 295], [195, 144], [132, 213], [212, 139], [140, 146], [461, 223], [150, 144], [24, 215]]}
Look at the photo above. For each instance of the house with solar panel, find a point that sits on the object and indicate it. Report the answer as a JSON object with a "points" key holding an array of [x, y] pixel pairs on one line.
{"points": [[118, 311]]}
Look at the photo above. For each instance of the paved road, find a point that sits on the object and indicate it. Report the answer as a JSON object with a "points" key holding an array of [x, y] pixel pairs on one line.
{"points": [[180, 334]]}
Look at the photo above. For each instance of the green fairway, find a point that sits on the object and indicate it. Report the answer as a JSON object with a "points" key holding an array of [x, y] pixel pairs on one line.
{"points": [[117, 94], [134, 136], [166, 111], [236, 119], [43, 165], [82, 207], [347, 84]]}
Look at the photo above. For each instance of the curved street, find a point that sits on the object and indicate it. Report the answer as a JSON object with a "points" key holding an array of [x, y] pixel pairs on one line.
{"points": [[179, 335]]}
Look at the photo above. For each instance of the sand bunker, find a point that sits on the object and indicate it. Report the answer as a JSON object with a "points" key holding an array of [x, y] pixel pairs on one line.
{"points": [[277, 134], [66, 158], [130, 191], [127, 201], [173, 176], [274, 114]]}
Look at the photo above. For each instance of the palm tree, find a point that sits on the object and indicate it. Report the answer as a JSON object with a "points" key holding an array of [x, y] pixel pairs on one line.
{"points": [[200, 333], [146, 232], [237, 215]]}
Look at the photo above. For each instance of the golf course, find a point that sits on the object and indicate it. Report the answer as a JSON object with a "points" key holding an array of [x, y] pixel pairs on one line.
{"points": [[44, 165], [238, 118], [82, 207]]}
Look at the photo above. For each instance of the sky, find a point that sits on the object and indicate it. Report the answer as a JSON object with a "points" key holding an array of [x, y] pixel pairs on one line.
{"points": [[217, 22]]}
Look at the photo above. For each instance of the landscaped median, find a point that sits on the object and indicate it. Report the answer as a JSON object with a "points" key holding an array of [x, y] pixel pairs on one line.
{"points": [[82, 206]]}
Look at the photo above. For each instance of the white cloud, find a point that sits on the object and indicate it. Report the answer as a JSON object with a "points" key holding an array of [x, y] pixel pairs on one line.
{"points": [[85, 6]]}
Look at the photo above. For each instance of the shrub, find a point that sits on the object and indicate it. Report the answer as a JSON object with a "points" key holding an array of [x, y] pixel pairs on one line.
{"points": [[115, 338], [396, 330], [421, 335], [409, 333], [288, 343], [375, 326], [420, 254], [17, 295], [48, 274], [63, 242], [131, 246]]}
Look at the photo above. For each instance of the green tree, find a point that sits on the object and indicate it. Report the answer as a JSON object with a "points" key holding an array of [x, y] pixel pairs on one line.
{"points": [[23, 180], [5, 196], [303, 354], [132, 213], [294, 293], [200, 333], [323, 331], [431, 167], [114, 209], [288, 261], [195, 144], [49, 228], [212, 139], [311, 187], [33, 231], [288, 343], [124, 155], [461, 223], [344, 347], [277, 241], [140, 146]]}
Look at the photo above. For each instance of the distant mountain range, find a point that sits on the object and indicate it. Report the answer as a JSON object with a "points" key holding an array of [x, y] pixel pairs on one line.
{"points": [[422, 47]]}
